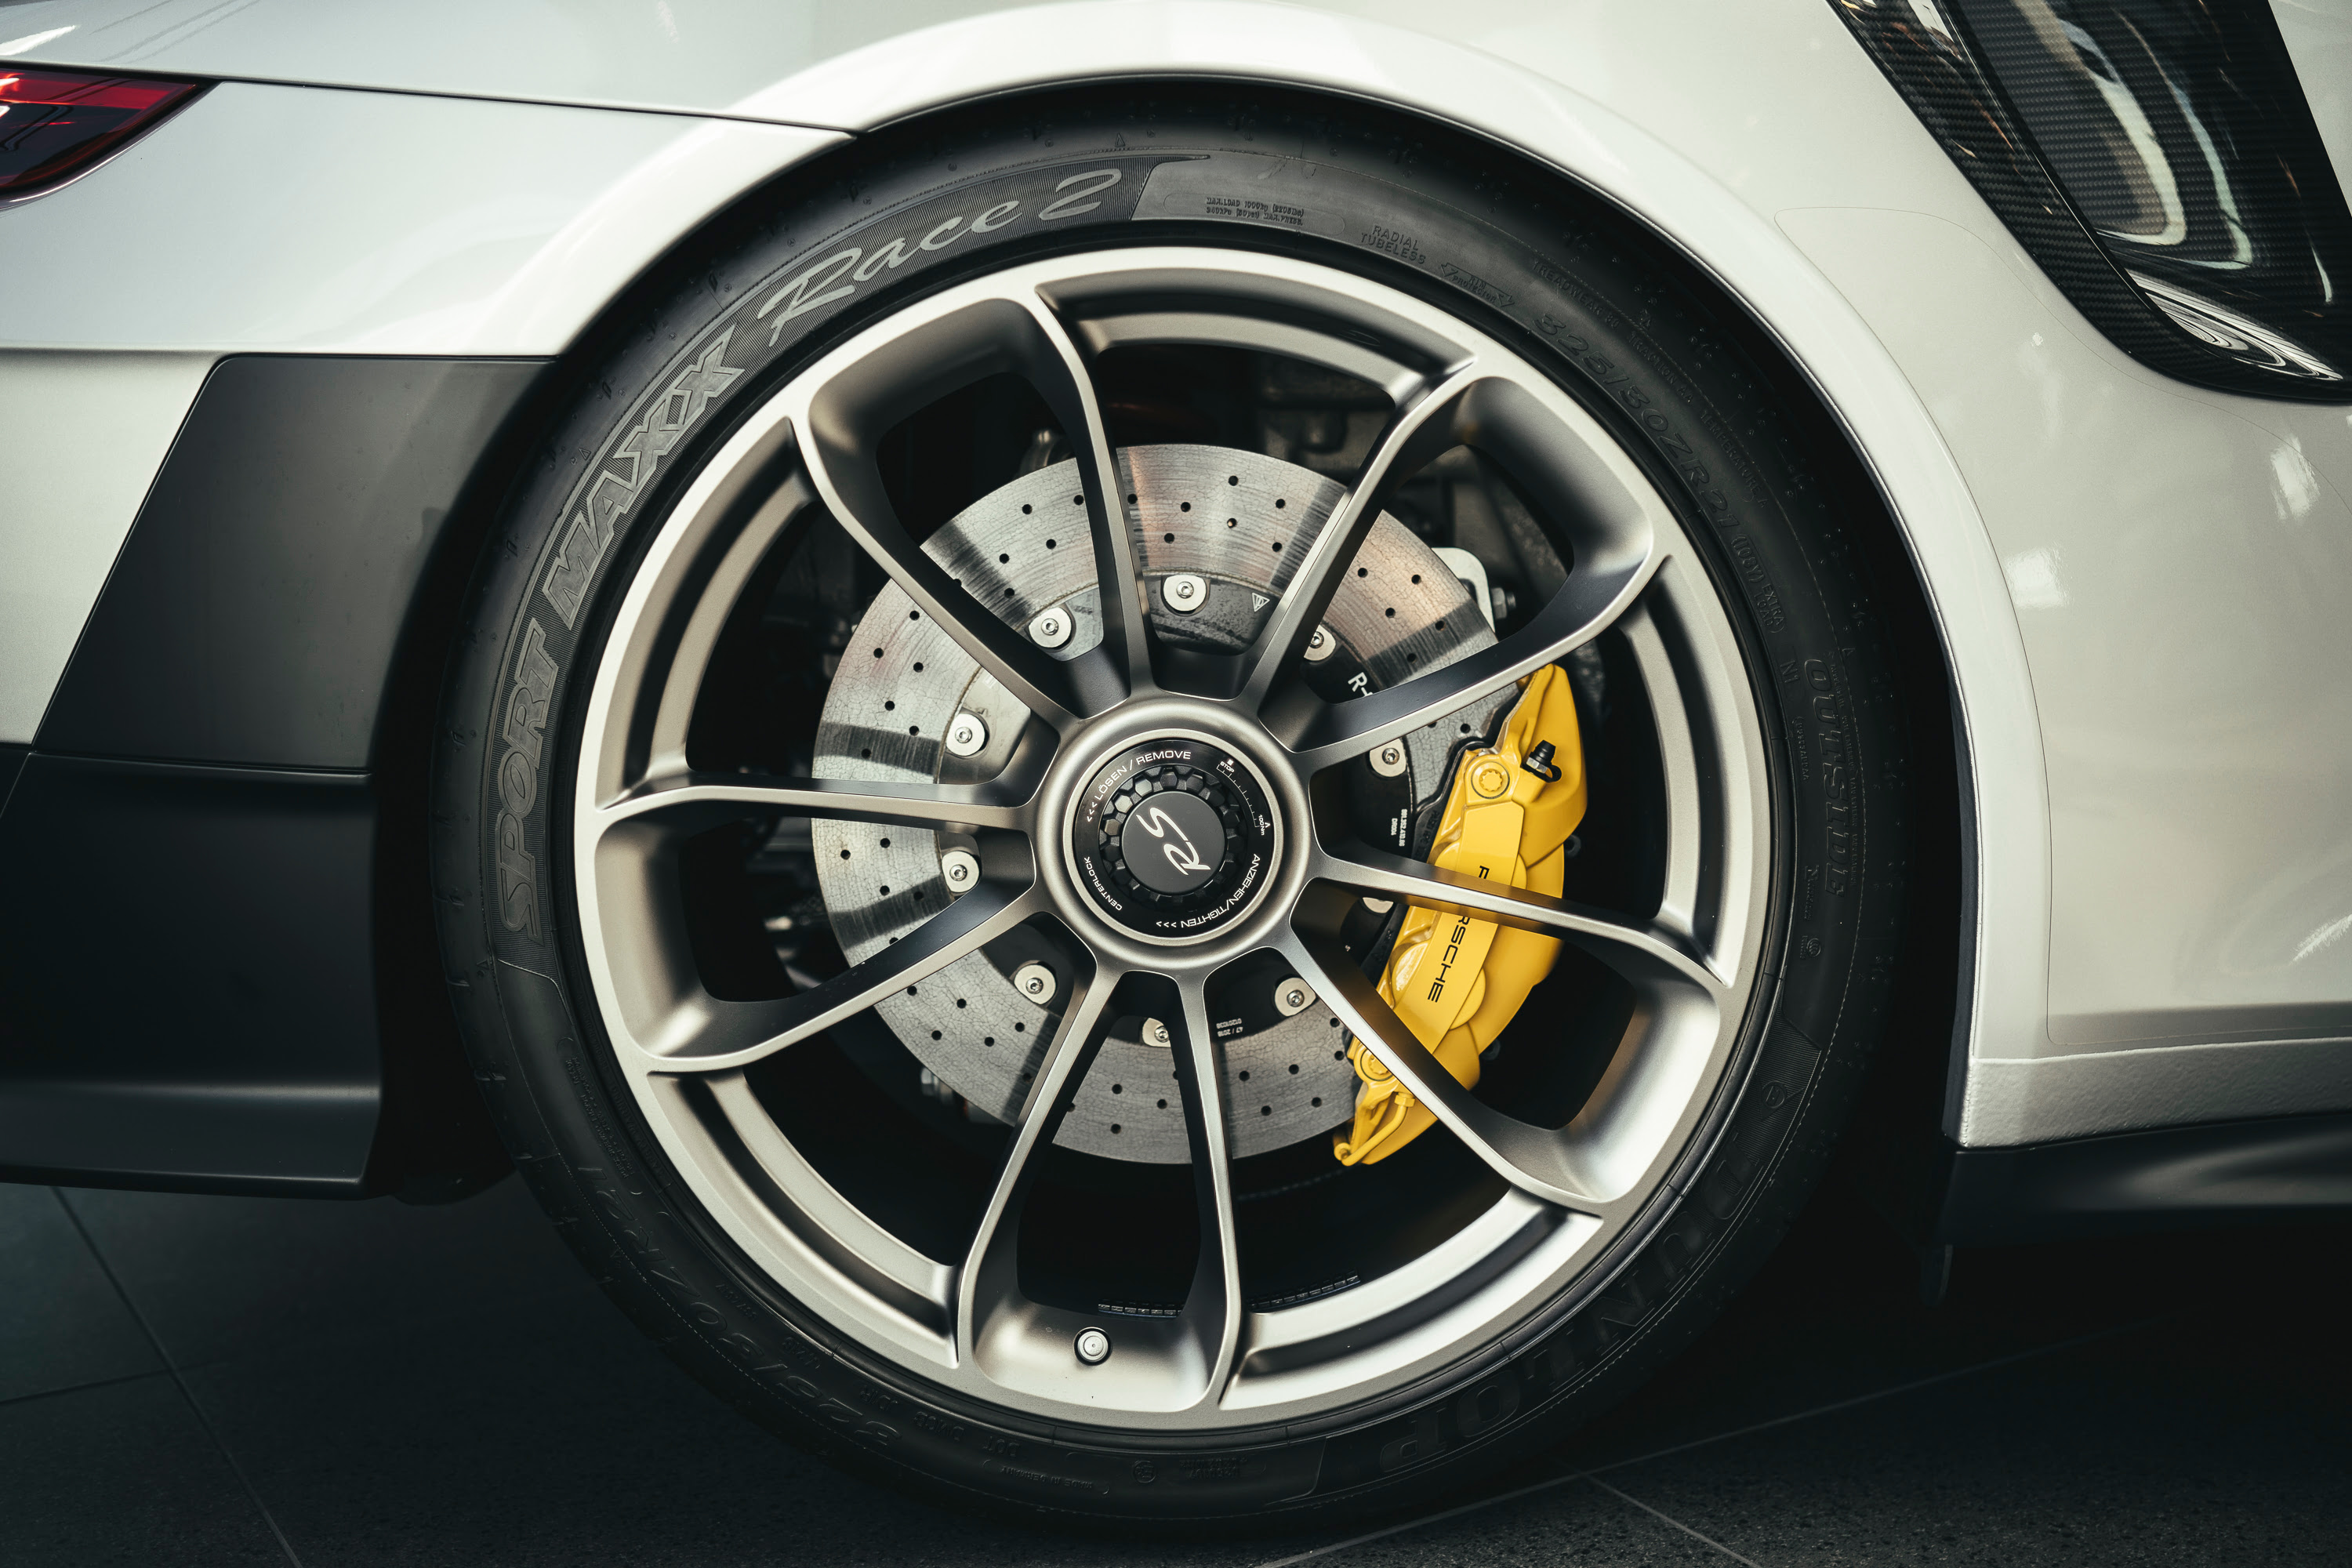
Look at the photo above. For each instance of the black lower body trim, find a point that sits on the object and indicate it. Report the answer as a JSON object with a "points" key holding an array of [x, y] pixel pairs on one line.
{"points": [[2282, 1168], [187, 992]]}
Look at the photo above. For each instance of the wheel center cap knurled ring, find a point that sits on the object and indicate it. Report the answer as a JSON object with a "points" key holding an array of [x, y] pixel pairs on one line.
{"points": [[1173, 838]]}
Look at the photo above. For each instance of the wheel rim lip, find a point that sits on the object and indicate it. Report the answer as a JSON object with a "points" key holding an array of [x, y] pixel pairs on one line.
{"points": [[1534, 1283]]}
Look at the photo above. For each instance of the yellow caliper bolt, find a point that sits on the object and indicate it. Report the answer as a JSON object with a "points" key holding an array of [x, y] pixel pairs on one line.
{"points": [[1490, 780]]}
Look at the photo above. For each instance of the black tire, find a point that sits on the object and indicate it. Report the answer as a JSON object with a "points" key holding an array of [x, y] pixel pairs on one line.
{"points": [[1581, 293]]}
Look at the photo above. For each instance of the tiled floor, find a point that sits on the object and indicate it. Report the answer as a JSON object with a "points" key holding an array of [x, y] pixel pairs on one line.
{"points": [[189, 1380]]}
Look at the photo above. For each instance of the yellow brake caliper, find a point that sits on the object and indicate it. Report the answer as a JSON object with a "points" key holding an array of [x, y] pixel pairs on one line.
{"points": [[1454, 979]]}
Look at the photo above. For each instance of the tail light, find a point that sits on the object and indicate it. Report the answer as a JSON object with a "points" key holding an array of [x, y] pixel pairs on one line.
{"points": [[56, 124]]}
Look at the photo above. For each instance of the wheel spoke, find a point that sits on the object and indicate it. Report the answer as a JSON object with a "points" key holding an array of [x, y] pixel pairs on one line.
{"points": [[1679, 891], [846, 404], [702, 1033], [1213, 1310], [1538, 1161], [1063, 379], [1421, 428], [691, 801], [852, 489], [988, 1280], [1322, 734], [1647, 955]]}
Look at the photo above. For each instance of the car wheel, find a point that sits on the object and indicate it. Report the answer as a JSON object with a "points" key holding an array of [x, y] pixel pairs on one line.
{"points": [[1257, 465]]}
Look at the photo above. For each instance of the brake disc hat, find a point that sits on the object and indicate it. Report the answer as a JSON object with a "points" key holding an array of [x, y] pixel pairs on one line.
{"points": [[780, 834]]}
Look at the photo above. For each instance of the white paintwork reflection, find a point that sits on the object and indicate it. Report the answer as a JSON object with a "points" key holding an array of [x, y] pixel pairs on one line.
{"points": [[296, 220], [671, 55], [2180, 562], [286, 220], [80, 437], [2318, 38]]}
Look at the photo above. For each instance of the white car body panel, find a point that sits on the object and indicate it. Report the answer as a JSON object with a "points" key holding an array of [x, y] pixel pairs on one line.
{"points": [[392, 225], [296, 220], [2318, 38], [80, 437], [2181, 600], [2137, 580], [692, 57]]}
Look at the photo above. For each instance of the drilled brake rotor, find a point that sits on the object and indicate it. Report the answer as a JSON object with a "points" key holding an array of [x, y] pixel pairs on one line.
{"points": [[1238, 522]]}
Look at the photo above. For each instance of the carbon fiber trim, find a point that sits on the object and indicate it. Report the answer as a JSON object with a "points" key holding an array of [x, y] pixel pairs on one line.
{"points": [[1937, 57]]}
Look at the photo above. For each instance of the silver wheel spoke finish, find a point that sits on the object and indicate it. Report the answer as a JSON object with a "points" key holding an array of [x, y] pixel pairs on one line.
{"points": [[701, 1033], [1537, 1162], [843, 406], [825, 1222], [1678, 901], [1583, 609], [1214, 1307], [708, 1071], [1158, 1365], [689, 802], [1621, 530], [1645, 955], [989, 1283], [852, 492], [1118, 579], [1421, 428]]}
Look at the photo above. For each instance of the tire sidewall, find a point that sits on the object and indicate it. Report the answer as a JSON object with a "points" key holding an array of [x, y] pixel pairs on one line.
{"points": [[1569, 287]]}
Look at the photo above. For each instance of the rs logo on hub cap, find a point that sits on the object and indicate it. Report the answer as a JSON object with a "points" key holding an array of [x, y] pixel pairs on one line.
{"points": [[1173, 839]]}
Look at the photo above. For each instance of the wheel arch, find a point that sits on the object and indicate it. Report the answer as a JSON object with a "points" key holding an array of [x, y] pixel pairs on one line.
{"points": [[1876, 447]]}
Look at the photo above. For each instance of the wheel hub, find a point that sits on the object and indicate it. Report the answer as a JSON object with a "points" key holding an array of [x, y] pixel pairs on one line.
{"points": [[1173, 839]]}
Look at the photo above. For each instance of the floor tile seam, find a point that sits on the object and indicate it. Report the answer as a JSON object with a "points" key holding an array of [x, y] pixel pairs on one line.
{"points": [[95, 1382], [1595, 1472], [1665, 1518], [1891, 1392], [1314, 1553], [203, 1420]]}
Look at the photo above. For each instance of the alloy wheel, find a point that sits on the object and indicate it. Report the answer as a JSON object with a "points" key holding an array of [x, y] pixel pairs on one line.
{"points": [[1000, 802]]}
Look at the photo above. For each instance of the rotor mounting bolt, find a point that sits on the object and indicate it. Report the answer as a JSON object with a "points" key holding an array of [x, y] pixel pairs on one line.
{"points": [[1093, 1346], [1292, 996], [967, 736], [1185, 592], [1490, 780], [1321, 646], [1035, 981], [960, 867], [1050, 628], [1155, 1032], [1387, 759], [1379, 906]]}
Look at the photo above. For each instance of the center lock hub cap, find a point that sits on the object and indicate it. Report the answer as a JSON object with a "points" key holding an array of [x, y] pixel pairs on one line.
{"points": [[1173, 838]]}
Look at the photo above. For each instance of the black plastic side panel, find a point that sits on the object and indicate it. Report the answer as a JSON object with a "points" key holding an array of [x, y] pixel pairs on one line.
{"points": [[187, 990], [12, 759], [2286, 1168], [254, 613]]}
